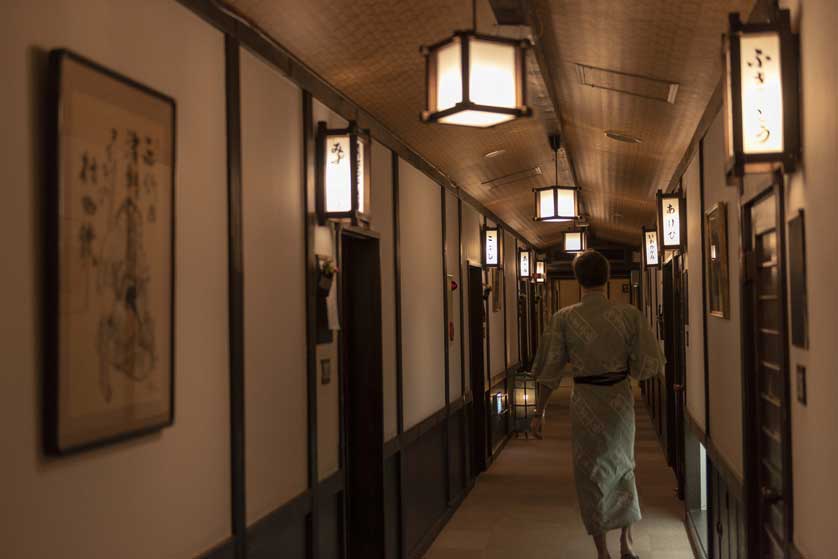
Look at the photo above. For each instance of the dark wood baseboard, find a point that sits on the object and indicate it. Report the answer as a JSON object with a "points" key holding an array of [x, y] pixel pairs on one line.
{"points": [[224, 550], [429, 538], [693, 537]]}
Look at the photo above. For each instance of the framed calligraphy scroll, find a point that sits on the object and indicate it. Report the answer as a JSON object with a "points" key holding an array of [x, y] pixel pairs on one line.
{"points": [[109, 370]]}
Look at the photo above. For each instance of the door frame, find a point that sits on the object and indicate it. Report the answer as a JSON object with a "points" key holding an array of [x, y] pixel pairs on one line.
{"points": [[750, 388], [368, 411]]}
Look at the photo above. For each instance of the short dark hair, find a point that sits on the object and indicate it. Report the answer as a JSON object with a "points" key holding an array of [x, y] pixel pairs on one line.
{"points": [[591, 269]]}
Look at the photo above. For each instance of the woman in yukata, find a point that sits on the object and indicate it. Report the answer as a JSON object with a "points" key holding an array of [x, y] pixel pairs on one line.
{"points": [[604, 344]]}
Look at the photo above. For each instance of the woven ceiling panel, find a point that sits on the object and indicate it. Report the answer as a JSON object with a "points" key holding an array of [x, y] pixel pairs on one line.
{"points": [[369, 50]]}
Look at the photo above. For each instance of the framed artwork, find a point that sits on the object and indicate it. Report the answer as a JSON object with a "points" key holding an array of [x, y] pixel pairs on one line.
{"points": [[718, 283], [110, 270], [797, 281]]}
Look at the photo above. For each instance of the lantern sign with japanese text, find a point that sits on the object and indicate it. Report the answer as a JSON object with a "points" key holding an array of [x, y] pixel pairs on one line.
{"points": [[672, 221], [343, 178], [651, 250], [524, 259], [762, 129], [491, 247]]}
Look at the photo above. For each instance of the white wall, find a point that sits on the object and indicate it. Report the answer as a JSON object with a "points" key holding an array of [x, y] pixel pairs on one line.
{"points": [[165, 495], [420, 244], [723, 334], [691, 184], [276, 437], [382, 222], [814, 445], [452, 259]]}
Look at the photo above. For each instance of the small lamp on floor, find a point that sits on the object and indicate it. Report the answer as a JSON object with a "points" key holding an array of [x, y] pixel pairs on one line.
{"points": [[524, 402]]}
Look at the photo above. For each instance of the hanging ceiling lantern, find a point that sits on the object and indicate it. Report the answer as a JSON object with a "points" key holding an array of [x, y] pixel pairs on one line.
{"points": [[343, 180], [651, 252], [672, 221], [556, 203], [475, 80], [524, 260], [540, 270], [491, 247], [762, 125], [575, 241]]}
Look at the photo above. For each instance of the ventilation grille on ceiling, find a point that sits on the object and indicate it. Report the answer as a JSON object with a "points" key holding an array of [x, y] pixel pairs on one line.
{"points": [[512, 177], [631, 84]]}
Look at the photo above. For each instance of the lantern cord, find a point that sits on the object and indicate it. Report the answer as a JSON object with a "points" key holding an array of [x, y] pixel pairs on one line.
{"points": [[474, 15]]}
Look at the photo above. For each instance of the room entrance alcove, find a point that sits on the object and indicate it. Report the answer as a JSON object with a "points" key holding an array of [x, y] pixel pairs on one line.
{"points": [[477, 326], [673, 323], [362, 393]]}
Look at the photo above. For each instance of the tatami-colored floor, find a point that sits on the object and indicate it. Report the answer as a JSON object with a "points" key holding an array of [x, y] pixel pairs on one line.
{"points": [[524, 506]]}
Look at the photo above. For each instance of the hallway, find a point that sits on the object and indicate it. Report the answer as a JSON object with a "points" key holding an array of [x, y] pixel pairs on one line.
{"points": [[525, 504]]}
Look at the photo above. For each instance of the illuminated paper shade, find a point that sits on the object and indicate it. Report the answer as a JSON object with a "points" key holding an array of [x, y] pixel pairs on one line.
{"points": [[672, 221], [343, 181], [491, 247], [556, 204], [475, 80], [540, 272], [575, 241], [524, 264], [762, 129], [651, 250]]}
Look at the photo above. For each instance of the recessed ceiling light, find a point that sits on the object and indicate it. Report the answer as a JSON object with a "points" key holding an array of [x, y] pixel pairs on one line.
{"points": [[622, 137], [495, 153]]}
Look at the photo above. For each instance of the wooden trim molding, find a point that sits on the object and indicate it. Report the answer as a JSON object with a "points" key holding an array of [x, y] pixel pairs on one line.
{"points": [[696, 429], [734, 481]]}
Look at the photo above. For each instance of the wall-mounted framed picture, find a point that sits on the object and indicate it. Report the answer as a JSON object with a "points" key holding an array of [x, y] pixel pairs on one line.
{"points": [[797, 281], [109, 246], [715, 254]]}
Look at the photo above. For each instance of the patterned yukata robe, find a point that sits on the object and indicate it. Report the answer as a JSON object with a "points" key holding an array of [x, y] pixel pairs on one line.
{"points": [[596, 337]]}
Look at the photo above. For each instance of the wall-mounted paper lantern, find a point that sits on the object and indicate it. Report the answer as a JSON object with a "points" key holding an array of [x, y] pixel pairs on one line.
{"points": [[475, 80], [524, 263], [575, 241], [762, 124], [651, 250], [672, 221], [491, 247], [540, 270], [343, 173]]}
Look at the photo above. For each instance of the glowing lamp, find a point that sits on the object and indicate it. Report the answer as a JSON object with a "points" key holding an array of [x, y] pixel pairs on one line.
{"points": [[762, 127], [524, 401], [540, 272], [524, 262], [575, 241], [491, 247], [651, 250], [475, 80], [343, 180], [672, 221], [556, 203]]}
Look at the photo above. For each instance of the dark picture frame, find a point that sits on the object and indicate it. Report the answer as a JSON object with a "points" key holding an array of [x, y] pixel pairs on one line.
{"points": [[716, 258], [110, 257], [797, 281]]}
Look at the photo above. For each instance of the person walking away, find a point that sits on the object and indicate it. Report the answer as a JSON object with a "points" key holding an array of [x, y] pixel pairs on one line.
{"points": [[604, 344]]}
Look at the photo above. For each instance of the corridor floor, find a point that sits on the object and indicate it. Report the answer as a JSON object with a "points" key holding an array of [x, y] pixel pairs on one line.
{"points": [[525, 505]]}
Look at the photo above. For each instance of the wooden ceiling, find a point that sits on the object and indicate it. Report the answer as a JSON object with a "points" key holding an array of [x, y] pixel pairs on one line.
{"points": [[369, 50]]}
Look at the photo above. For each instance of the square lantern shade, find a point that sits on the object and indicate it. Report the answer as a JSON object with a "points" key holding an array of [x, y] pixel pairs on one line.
{"points": [[575, 241], [524, 401], [556, 203], [762, 126], [651, 250], [491, 247], [343, 173], [475, 80], [672, 221], [524, 263], [540, 271]]}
